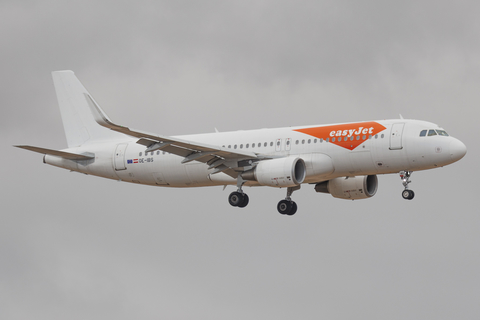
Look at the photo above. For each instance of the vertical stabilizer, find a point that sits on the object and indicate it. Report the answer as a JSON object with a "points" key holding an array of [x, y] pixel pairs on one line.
{"points": [[78, 121]]}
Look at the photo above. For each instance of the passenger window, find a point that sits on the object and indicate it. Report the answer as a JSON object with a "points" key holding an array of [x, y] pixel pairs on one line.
{"points": [[235, 147], [364, 137], [303, 141], [296, 142], [431, 133], [333, 139], [140, 154], [442, 133], [314, 140], [241, 146], [253, 145], [229, 146], [271, 144], [382, 136], [259, 144], [247, 146], [265, 144], [158, 153]]}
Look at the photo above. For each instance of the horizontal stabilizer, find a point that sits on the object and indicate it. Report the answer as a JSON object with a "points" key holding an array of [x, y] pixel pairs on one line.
{"points": [[63, 154]]}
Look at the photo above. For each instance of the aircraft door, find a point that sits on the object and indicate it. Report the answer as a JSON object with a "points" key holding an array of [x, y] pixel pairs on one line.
{"points": [[288, 144], [119, 157], [396, 136], [278, 145]]}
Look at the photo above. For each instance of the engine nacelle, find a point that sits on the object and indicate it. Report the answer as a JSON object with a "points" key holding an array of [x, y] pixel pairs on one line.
{"points": [[282, 172], [360, 187]]}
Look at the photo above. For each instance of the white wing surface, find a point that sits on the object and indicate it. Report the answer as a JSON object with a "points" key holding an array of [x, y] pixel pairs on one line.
{"points": [[215, 156]]}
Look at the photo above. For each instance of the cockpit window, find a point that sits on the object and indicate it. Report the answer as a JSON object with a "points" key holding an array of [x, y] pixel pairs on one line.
{"points": [[442, 133], [433, 132]]}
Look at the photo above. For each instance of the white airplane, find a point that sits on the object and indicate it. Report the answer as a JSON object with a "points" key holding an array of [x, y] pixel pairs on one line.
{"points": [[340, 159]]}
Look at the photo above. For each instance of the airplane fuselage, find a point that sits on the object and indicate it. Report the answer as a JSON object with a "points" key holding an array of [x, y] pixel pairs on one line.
{"points": [[397, 146]]}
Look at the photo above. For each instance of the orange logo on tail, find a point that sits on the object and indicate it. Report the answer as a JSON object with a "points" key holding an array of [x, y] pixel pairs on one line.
{"points": [[348, 136]]}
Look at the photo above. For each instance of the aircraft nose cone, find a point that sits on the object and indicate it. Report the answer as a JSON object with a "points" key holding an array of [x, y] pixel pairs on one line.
{"points": [[457, 150]]}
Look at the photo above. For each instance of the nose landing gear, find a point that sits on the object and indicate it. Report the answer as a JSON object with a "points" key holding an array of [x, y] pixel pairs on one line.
{"points": [[407, 193]]}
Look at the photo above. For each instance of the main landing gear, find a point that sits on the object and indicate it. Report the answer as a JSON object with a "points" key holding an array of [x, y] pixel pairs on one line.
{"points": [[407, 193], [240, 199], [288, 206]]}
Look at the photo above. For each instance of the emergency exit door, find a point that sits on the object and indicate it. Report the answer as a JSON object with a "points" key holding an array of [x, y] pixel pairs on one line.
{"points": [[119, 158]]}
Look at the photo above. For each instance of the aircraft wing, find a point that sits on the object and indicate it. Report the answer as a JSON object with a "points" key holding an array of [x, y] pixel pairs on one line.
{"points": [[215, 156]]}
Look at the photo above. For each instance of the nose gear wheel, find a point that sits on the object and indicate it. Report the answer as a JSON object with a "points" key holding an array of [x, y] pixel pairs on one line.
{"points": [[408, 194]]}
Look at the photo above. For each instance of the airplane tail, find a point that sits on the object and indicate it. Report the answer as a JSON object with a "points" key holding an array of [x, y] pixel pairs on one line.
{"points": [[78, 121]]}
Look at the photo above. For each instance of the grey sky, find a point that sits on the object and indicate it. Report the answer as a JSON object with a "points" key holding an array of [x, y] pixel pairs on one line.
{"points": [[80, 247]]}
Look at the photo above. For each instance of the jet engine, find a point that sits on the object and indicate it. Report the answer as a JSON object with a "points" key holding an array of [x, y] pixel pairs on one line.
{"points": [[282, 172], [359, 187]]}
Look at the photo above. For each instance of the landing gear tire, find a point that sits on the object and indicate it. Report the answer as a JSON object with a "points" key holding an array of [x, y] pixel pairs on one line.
{"points": [[238, 199], [287, 207], [408, 194], [244, 202], [293, 210], [405, 176], [235, 199]]}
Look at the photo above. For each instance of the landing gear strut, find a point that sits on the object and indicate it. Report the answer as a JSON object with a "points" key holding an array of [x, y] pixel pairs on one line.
{"points": [[288, 206], [238, 198], [407, 193]]}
